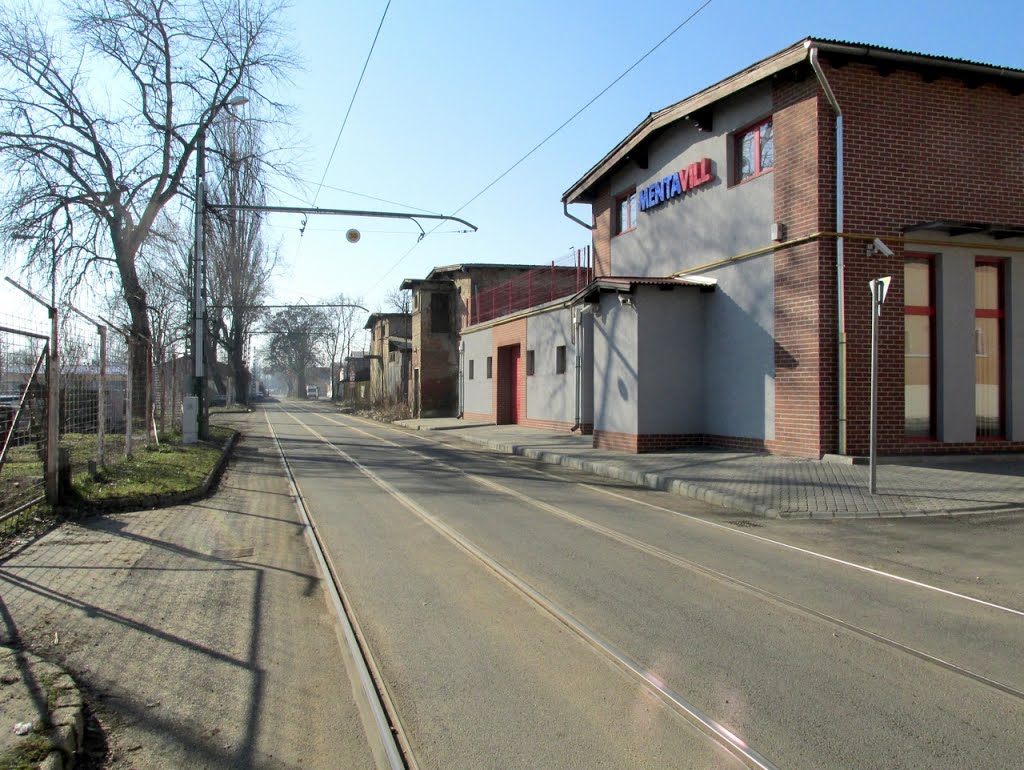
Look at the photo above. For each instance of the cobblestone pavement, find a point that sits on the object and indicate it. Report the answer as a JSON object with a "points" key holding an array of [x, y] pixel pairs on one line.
{"points": [[773, 486]]}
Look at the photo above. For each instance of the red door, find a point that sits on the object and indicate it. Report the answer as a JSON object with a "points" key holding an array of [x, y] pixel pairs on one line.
{"points": [[513, 369], [509, 406]]}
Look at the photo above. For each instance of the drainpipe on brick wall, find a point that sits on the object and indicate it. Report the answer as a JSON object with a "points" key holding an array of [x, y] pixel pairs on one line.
{"points": [[580, 352], [840, 277]]}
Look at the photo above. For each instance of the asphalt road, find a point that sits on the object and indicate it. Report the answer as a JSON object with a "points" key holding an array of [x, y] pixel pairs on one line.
{"points": [[528, 616]]}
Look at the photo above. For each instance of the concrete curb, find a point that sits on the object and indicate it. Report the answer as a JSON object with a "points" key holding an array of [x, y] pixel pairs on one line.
{"points": [[120, 504], [613, 470], [41, 682]]}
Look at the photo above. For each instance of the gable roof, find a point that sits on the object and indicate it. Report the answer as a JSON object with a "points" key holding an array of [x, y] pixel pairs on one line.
{"points": [[690, 107]]}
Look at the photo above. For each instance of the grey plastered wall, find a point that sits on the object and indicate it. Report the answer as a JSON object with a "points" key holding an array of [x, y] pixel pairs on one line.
{"points": [[477, 392], [739, 353], [616, 382], [711, 222], [549, 395], [670, 355], [955, 343]]}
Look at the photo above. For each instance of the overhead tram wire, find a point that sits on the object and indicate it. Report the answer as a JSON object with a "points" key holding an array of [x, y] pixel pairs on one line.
{"points": [[550, 136], [351, 102]]}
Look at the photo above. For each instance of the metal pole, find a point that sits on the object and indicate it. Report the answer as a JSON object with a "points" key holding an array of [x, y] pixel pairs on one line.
{"points": [[876, 304], [53, 398], [101, 403], [129, 386], [198, 298]]}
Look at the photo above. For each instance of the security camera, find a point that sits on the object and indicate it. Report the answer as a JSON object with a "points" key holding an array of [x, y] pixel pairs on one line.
{"points": [[877, 247], [625, 299]]}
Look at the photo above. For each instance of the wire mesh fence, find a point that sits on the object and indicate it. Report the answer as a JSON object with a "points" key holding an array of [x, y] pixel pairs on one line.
{"points": [[110, 400], [530, 288], [24, 352]]}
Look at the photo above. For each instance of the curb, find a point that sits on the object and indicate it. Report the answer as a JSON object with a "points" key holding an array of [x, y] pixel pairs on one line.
{"points": [[63, 725], [121, 504], [655, 481]]}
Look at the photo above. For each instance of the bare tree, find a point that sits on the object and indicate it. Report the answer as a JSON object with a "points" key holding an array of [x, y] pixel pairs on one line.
{"points": [[240, 262], [344, 325], [298, 337], [398, 301], [101, 152]]}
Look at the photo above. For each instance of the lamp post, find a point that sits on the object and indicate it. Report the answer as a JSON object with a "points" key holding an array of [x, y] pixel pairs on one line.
{"points": [[199, 275]]}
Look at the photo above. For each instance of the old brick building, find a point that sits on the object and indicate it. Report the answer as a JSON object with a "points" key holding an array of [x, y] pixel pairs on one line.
{"points": [[733, 245]]}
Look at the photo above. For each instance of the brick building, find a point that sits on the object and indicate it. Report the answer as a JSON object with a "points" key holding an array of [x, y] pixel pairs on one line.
{"points": [[733, 246], [390, 355], [444, 303]]}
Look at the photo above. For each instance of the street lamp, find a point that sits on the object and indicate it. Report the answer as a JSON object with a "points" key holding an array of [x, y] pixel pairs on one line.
{"points": [[199, 273]]}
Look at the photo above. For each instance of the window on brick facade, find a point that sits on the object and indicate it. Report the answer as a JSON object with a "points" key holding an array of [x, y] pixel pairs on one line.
{"points": [[989, 350], [560, 359], [625, 212], [471, 368], [440, 313], [490, 367], [919, 347], [529, 363], [754, 151]]}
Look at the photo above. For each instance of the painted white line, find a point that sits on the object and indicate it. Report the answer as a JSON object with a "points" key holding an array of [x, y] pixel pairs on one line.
{"points": [[722, 735], [740, 533], [387, 741]]}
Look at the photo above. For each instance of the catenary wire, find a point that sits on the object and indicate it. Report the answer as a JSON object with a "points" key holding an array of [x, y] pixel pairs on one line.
{"points": [[550, 136]]}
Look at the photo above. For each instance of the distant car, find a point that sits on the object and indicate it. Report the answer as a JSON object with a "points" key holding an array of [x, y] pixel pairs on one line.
{"points": [[312, 391], [218, 399]]}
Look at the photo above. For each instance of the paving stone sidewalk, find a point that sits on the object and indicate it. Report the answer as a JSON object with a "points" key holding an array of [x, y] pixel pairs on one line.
{"points": [[770, 486], [199, 634]]}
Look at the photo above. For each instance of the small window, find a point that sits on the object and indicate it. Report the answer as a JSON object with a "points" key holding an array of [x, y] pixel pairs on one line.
{"points": [[440, 313], [529, 363], [490, 364], [755, 151], [471, 368], [625, 212], [560, 359]]}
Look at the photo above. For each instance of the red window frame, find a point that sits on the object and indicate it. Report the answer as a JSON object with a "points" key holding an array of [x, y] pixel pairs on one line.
{"points": [[998, 313], [632, 203], [737, 149], [927, 310]]}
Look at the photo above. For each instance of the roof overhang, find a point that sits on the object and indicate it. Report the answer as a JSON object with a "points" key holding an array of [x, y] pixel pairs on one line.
{"points": [[695, 107], [955, 228], [626, 285]]}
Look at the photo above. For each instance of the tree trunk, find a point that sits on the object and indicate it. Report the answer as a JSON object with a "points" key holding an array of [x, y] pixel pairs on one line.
{"points": [[138, 309]]}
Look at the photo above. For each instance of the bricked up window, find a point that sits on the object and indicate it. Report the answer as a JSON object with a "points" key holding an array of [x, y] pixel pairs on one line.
{"points": [[560, 359], [440, 313], [529, 363], [490, 364], [919, 347], [989, 315], [755, 151], [625, 212]]}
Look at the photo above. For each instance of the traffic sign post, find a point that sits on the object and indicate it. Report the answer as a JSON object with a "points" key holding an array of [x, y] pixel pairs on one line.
{"points": [[879, 288]]}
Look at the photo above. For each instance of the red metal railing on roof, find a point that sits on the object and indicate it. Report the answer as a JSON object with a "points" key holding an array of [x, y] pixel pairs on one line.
{"points": [[562, 278]]}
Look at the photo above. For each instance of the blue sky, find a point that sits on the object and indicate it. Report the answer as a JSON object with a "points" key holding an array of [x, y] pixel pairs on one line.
{"points": [[458, 91]]}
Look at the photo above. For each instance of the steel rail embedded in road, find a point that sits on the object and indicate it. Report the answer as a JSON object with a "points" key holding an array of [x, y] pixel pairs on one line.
{"points": [[684, 563], [389, 731], [707, 726]]}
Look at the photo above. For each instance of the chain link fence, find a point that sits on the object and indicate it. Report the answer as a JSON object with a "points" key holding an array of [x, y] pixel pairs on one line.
{"points": [[108, 403]]}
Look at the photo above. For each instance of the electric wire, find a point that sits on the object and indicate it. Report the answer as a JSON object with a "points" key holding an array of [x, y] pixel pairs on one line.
{"points": [[550, 136], [353, 101]]}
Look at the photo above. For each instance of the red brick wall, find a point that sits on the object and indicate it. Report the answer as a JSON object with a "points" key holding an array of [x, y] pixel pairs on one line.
{"points": [[503, 335], [915, 152], [602, 234], [805, 336], [664, 442]]}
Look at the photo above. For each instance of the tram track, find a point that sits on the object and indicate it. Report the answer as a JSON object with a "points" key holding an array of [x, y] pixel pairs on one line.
{"points": [[707, 725], [709, 572]]}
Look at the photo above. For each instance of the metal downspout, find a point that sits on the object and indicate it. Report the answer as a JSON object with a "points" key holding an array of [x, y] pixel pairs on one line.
{"points": [[840, 268], [577, 220]]}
